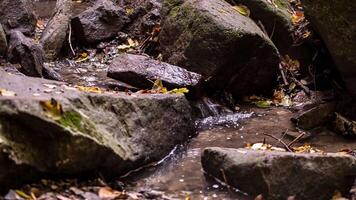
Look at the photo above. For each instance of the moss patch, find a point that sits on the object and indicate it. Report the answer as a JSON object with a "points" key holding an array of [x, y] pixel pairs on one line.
{"points": [[72, 120]]}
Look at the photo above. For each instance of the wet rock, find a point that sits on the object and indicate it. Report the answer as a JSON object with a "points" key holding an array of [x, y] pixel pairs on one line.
{"points": [[141, 71], [145, 15], [336, 24], [278, 175], [122, 132], [277, 21], [18, 14], [209, 37], [315, 116], [101, 22], [3, 42], [54, 36], [25, 51]]}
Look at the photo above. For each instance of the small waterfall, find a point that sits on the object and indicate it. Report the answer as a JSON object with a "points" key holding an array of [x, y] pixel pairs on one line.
{"points": [[214, 114]]}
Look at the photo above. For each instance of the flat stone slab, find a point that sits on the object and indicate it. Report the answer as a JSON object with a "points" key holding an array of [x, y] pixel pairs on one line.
{"points": [[278, 175], [141, 71]]}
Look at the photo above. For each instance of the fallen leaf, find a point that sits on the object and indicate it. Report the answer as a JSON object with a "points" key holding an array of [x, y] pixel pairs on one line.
{"points": [[7, 93], [178, 91], [263, 103], [129, 11], [82, 57], [52, 109], [108, 193], [22, 194], [243, 10], [298, 17], [89, 89]]}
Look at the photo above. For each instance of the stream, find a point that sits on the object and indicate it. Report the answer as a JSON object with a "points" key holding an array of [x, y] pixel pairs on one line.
{"points": [[180, 175]]}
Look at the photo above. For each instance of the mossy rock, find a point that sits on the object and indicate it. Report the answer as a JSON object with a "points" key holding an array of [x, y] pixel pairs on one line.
{"points": [[211, 38]]}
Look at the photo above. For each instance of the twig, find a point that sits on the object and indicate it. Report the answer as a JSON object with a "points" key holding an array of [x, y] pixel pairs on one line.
{"points": [[281, 141], [296, 139], [274, 27], [225, 179], [284, 134], [306, 89], [70, 39], [283, 75]]}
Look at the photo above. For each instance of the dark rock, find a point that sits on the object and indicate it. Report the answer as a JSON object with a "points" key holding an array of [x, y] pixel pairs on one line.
{"points": [[209, 37], [101, 22], [336, 24], [141, 71], [277, 22], [54, 36], [144, 17], [3, 42], [315, 116], [278, 175], [25, 51], [344, 126], [19, 15], [120, 131]]}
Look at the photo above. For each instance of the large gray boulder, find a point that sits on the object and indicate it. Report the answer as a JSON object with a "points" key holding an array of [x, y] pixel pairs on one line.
{"points": [[54, 36], [141, 71], [101, 22], [18, 14], [278, 175], [27, 53], [58, 130], [336, 23], [209, 37]]}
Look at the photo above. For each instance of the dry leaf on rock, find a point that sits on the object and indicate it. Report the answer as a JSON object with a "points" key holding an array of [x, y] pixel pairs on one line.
{"points": [[7, 93]]}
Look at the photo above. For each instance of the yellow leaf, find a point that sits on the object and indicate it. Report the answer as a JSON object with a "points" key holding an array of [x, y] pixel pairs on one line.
{"points": [[83, 57], [263, 103], [7, 93], [243, 10], [108, 193], [179, 91], [129, 11], [89, 89], [298, 17], [52, 109], [22, 194]]}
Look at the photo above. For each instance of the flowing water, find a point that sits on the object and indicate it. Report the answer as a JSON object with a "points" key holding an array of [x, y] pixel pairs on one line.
{"points": [[180, 175]]}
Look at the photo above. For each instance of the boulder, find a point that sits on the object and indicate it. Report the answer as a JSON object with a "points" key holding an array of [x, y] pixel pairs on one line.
{"points": [[209, 37], [3, 42], [90, 133], [101, 22], [278, 175], [55, 34], [276, 19], [18, 14], [336, 24], [25, 51], [141, 71]]}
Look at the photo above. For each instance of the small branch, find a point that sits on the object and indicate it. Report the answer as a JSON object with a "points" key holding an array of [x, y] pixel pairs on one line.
{"points": [[306, 89], [225, 179], [296, 139], [279, 140], [70, 39], [283, 75]]}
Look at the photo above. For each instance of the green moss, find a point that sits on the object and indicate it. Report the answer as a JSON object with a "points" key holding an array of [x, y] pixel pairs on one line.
{"points": [[71, 120], [281, 4]]}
